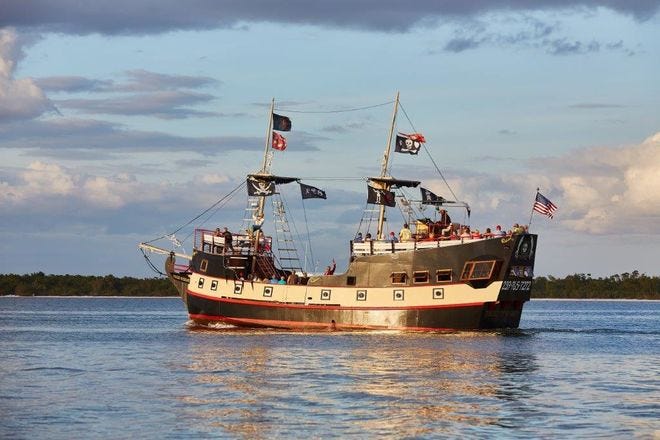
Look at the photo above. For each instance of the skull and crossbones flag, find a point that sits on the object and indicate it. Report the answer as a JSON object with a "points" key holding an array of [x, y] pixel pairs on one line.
{"points": [[281, 123], [258, 187], [429, 198], [311, 192], [377, 196], [409, 143]]}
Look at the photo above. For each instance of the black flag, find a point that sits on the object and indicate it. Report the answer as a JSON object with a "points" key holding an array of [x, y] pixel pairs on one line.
{"points": [[407, 144], [311, 192], [380, 196], [257, 187], [428, 198], [281, 123]]}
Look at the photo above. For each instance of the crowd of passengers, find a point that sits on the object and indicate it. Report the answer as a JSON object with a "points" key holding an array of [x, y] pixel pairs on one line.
{"points": [[292, 279], [449, 232]]}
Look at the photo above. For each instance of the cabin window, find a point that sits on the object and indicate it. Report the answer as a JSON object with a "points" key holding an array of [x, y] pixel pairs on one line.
{"points": [[421, 277], [398, 295], [214, 285], [350, 281], [325, 294], [361, 295], [478, 270], [443, 275], [203, 265], [399, 277], [200, 283]]}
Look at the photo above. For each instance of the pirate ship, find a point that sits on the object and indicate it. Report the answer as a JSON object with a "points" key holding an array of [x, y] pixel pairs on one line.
{"points": [[433, 279]]}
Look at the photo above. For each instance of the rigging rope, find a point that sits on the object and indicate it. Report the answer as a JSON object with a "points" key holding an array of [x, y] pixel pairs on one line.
{"points": [[226, 197], [429, 154], [334, 111]]}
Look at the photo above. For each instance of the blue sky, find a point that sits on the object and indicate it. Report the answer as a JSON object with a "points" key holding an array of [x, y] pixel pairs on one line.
{"points": [[120, 121]]}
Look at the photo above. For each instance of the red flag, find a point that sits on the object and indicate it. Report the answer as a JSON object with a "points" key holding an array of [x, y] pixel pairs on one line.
{"points": [[279, 142], [419, 137]]}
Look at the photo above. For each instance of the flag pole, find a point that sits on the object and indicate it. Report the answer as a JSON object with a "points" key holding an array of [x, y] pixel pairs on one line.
{"points": [[269, 133], [531, 214], [383, 172], [264, 170]]}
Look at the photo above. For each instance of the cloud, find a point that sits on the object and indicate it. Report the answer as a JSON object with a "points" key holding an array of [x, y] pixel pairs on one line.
{"points": [[19, 98], [157, 16], [163, 105], [69, 137], [595, 105]]}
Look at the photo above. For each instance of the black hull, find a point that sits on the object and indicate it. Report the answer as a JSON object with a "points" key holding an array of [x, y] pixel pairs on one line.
{"points": [[491, 315]]}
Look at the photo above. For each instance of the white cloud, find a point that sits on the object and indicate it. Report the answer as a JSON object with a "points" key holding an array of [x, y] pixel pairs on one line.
{"points": [[19, 98], [611, 190]]}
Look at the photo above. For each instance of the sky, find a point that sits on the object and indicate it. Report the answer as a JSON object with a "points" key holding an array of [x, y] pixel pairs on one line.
{"points": [[121, 121]]}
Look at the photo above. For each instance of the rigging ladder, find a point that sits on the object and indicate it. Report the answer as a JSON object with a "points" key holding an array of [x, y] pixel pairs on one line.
{"points": [[288, 253]]}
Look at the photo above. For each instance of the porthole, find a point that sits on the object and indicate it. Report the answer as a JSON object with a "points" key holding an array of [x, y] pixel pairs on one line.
{"points": [[439, 293], [200, 283], [398, 295], [325, 294], [268, 291], [361, 295], [214, 285]]}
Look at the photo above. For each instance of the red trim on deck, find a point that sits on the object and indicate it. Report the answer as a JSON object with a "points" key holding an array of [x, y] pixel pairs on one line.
{"points": [[329, 306]]}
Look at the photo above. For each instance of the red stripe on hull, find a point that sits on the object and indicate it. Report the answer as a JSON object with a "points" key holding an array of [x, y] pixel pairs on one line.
{"points": [[245, 322]]}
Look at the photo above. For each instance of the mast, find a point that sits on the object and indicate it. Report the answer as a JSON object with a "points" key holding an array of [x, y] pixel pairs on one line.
{"points": [[264, 166], [383, 171]]}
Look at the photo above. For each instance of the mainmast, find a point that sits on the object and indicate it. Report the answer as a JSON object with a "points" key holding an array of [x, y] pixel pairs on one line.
{"points": [[265, 167], [383, 171]]}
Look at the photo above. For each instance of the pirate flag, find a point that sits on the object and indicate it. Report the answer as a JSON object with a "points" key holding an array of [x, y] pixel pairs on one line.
{"points": [[380, 196], [311, 192], [258, 187]]}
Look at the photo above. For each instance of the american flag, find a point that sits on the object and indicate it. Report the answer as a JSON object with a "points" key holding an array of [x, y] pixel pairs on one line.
{"points": [[544, 206]]}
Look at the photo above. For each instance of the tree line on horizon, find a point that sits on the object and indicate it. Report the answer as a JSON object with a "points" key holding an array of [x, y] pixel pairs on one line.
{"points": [[578, 286]]}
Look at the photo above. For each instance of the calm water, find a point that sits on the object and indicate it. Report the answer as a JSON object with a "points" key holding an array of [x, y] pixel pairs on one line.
{"points": [[131, 368]]}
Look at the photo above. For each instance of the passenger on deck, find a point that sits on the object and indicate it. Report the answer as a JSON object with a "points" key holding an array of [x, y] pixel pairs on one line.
{"points": [[330, 269], [229, 247], [476, 234], [444, 219], [517, 229], [282, 280], [446, 232], [273, 279], [498, 232], [292, 278], [488, 233], [465, 232], [367, 237], [404, 233], [392, 238], [358, 238]]}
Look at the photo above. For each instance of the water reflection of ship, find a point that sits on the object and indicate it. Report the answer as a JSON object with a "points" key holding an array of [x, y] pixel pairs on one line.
{"points": [[373, 384]]}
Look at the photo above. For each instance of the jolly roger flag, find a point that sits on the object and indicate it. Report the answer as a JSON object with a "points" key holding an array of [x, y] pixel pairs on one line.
{"points": [[311, 192], [258, 187], [380, 197], [429, 198], [409, 144], [281, 123]]}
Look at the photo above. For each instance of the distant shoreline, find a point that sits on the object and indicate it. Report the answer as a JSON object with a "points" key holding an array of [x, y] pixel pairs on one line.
{"points": [[625, 286]]}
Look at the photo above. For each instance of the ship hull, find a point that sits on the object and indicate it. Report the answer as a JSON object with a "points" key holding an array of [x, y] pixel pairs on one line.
{"points": [[468, 286], [204, 311]]}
